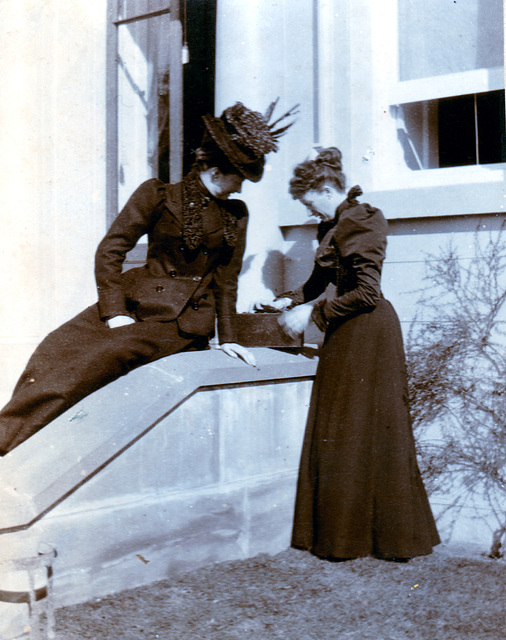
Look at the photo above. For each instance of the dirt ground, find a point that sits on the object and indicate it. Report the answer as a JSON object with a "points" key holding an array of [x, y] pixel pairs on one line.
{"points": [[296, 596]]}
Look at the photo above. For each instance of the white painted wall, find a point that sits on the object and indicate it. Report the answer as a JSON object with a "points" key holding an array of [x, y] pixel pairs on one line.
{"points": [[265, 50], [52, 168], [52, 152]]}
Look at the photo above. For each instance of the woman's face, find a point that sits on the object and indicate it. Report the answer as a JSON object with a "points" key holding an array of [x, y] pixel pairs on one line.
{"points": [[323, 203], [222, 185]]}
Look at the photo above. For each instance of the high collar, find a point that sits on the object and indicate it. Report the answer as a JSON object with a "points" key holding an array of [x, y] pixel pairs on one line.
{"points": [[196, 198], [350, 201]]}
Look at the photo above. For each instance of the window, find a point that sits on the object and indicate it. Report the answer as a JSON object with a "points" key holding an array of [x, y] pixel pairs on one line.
{"points": [[445, 48], [454, 131], [428, 117], [156, 98], [149, 90]]}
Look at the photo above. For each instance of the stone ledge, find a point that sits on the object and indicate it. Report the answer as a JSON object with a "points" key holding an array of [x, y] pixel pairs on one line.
{"points": [[52, 464]]}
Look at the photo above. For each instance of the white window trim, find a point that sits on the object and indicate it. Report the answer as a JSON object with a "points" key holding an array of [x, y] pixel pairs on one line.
{"points": [[326, 25], [460, 190], [445, 86]]}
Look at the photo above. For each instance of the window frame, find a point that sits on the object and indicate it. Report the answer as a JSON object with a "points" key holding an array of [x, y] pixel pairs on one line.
{"points": [[377, 161], [115, 19]]}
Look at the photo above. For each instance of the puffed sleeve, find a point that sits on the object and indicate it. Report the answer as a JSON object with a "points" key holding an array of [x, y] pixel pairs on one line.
{"points": [[360, 238], [135, 219], [226, 276]]}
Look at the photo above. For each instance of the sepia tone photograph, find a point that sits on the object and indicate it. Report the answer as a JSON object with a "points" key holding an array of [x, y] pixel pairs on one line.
{"points": [[252, 320]]}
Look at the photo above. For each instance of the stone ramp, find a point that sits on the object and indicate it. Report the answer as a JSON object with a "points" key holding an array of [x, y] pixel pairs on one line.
{"points": [[186, 461]]}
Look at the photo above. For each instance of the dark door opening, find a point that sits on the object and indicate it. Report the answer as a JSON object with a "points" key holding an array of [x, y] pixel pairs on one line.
{"points": [[198, 18], [198, 74]]}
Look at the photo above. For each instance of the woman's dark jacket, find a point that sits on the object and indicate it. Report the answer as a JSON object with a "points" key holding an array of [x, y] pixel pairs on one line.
{"points": [[350, 255], [195, 249]]}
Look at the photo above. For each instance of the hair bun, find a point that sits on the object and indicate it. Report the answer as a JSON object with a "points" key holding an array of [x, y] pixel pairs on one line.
{"points": [[355, 192], [314, 174], [331, 156]]}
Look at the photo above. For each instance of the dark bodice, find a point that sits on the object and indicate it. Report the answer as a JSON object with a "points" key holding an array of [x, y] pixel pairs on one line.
{"points": [[349, 257], [195, 249]]}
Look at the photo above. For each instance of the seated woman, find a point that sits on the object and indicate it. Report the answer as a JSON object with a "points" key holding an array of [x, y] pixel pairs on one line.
{"points": [[196, 241], [359, 490]]}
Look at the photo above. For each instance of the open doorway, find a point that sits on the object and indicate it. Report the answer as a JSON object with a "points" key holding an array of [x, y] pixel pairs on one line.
{"points": [[199, 73], [155, 101]]}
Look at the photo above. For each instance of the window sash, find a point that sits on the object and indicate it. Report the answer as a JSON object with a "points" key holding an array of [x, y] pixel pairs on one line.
{"points": [[132, 10], [131, 16], [377, 159], [446, 86]]}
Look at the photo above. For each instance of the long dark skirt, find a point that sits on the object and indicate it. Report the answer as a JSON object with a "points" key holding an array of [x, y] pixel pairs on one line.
{"points": [[78, 358], [359, 489]]}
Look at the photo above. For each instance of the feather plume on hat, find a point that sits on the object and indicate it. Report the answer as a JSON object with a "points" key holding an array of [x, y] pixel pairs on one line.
{"points": [[246, 136]]}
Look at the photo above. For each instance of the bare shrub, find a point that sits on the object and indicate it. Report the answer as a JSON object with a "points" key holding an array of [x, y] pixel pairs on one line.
{"points": [[456, 351]]}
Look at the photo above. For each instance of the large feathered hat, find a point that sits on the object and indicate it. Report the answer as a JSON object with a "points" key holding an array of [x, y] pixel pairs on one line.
{"points": [[246, 136]]}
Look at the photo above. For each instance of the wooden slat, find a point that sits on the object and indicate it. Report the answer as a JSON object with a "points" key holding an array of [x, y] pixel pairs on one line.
{"points": [[131, 10], [176, 100]]}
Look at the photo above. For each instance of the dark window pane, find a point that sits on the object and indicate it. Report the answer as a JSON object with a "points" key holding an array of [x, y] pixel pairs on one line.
{"points": [[491, 127], [199, 73], [456, 131]]}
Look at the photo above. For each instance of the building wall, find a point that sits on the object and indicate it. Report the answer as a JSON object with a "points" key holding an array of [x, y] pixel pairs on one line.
{"points": [[332, 57], [265, 50], [52, 168]]}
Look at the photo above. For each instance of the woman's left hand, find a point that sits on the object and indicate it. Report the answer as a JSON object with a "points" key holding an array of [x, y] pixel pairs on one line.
{"points": [[235, 350], [296, 320]]}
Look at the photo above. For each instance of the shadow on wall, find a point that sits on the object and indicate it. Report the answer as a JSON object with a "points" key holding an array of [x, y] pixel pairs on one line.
{"points": [[285, 272], [297, 262], [273, 271], [246, 265]]}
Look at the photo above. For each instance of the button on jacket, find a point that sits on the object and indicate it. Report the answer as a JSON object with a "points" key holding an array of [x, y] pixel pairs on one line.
{"points": [[195, 251]]}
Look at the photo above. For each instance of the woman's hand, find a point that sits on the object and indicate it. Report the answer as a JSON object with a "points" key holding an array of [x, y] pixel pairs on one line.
{"points": [[271, 306], [119, 321], [296, 320], [235, 350]]}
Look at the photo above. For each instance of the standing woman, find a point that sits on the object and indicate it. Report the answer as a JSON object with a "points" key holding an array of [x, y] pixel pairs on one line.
{"points": [[359, 490], [196, 240]]}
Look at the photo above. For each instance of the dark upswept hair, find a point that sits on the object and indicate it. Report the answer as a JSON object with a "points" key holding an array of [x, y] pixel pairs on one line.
{"points": [[313, 175], [209, 155]]}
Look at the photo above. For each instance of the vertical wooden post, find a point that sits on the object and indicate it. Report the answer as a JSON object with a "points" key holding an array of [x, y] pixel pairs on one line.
{"points": [[111, 114], [175, 94]]}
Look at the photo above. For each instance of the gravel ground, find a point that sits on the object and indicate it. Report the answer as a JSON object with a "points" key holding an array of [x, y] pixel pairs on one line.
{"points": [[293, 595]]}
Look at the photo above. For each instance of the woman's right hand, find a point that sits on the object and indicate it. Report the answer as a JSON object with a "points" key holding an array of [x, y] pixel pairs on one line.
{"points": [[279, 304], [295, 321], [119, 321]]}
